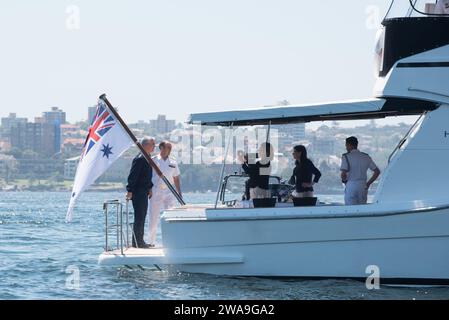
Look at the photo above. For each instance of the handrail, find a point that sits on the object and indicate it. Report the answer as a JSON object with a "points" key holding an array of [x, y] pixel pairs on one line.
{"points": [[402, 141], [122, 241], [231, 136]]}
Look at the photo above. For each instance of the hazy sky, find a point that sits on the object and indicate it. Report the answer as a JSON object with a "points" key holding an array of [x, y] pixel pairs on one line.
{"points": [[177, 57]]}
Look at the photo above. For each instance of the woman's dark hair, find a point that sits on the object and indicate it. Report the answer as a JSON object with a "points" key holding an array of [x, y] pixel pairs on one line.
{"points": [[303, 150]]}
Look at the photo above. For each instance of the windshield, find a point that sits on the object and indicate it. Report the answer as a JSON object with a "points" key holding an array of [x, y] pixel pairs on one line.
{"points": [[417, 8]]}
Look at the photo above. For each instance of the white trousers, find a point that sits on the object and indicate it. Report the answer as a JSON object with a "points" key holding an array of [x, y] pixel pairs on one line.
{"points": [[158, 203], [356, 193]]}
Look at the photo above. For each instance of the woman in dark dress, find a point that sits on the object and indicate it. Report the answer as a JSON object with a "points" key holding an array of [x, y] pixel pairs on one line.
{"points": [[303, 173]]}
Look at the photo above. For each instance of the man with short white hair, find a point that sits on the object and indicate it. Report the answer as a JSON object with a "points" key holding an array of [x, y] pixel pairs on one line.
{"points": [[139, 191], [162, 198]]}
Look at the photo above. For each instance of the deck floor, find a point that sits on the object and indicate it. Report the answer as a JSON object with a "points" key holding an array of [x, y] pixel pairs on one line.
{"points": [[158, 251]]}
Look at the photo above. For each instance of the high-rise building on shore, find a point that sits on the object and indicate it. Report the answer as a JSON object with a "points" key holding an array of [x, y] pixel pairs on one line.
{"points": [[290, 135], [162, 125], [55, 115], [8, 122], [39, 137], [42, 136]]}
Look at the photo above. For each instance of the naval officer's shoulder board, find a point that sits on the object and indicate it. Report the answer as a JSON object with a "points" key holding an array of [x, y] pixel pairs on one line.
{"points": [[173, 162]]}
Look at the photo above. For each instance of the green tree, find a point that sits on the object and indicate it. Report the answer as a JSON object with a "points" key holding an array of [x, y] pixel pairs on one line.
{"points": [[10, 165], [15, 152], [84, 125]]}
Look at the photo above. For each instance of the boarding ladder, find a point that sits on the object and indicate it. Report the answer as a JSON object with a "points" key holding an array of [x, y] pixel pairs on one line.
{"points": [[117, 225]]}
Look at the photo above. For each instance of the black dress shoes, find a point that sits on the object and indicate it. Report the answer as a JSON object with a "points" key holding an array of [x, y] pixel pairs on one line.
{"points": [[146, 245], [143, 245]]}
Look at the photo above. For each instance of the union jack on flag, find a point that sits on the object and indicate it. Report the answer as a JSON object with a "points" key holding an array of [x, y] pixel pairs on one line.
{"points": [[101, 123]]}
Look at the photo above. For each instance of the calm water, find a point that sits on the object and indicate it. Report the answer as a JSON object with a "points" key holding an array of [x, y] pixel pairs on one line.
{"points": [[37, 248]]}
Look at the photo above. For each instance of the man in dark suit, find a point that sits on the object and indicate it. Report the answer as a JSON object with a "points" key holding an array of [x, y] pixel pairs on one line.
{"points": [[139, 191]]}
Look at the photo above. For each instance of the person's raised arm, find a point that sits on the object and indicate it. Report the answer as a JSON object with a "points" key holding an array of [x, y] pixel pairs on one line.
{"points": [[248, 169]]}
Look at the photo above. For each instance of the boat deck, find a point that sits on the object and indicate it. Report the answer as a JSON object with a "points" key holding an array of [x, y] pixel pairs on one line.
{"points": [[138, 252], [133, 256], [157, 256]]}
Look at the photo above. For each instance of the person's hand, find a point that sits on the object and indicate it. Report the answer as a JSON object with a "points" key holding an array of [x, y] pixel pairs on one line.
{"points": [[306, 185], [240, 157], [129, 195], [150, 194]]}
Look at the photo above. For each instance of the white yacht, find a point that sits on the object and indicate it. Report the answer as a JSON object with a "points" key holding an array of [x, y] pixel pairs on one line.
{"points": [[404, 231]]}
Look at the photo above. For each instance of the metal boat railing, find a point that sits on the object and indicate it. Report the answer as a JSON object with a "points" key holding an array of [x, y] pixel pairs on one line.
{"points": [[120, 227], [406, 136]]}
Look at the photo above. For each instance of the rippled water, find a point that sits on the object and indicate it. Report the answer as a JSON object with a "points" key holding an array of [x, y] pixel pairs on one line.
{"points": [[37, 248]]}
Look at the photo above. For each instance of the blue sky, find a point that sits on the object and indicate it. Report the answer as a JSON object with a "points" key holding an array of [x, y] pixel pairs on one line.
{"points": [[177, 57]]}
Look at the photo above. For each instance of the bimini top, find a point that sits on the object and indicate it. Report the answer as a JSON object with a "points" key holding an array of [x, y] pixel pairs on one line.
{"points": [[342, 110]]}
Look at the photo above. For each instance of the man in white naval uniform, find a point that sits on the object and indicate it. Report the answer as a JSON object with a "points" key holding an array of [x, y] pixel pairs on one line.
{"points": [[354, 167], [162, 197]]}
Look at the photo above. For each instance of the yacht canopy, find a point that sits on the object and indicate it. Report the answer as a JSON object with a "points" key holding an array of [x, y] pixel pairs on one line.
{"points": [[343, 110]]}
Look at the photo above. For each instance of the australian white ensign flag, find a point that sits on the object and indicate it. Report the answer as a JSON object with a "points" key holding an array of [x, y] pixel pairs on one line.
{"points": [[106, 142]]}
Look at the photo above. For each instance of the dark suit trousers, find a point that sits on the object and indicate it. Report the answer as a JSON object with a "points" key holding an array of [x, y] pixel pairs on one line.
{"points": [[140, 205]]}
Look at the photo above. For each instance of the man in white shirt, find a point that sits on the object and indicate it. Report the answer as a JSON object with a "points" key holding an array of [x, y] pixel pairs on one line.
{"points": [[354, 167], [162, 198], [442, 7]]}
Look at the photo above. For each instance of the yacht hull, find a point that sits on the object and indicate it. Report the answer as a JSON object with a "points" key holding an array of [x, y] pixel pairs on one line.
{"points": [[409, 247]]}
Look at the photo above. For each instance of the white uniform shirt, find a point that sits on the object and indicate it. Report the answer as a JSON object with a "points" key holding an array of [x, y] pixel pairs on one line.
{"points": [[170, 169], [442, 7], [358, 165]]}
